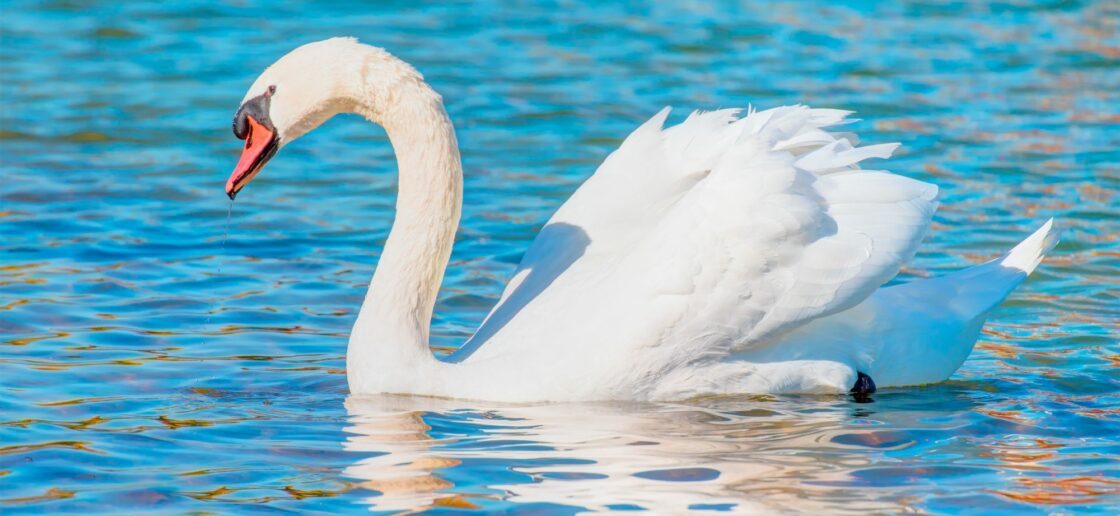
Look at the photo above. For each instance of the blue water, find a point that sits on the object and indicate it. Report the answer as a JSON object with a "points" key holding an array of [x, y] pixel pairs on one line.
{"points": [[147, 364]]}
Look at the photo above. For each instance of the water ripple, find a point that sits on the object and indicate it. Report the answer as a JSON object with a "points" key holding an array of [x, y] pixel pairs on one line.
{"points": [[148, 362]]}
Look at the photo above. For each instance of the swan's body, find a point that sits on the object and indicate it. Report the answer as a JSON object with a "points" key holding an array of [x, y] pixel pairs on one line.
{"points": [[723, 255]]}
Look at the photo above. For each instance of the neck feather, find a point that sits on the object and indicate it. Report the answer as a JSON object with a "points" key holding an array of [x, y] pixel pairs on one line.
{"points": [[393, 326]]}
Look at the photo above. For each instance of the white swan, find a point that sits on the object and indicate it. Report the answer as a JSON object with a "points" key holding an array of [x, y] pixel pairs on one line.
{"points": [[722, 255]]}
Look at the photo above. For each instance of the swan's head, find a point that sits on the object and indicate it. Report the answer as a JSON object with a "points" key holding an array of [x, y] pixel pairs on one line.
{"points": [[293, 96]]}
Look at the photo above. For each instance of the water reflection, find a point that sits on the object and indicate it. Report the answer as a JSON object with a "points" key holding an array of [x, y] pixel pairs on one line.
{"points": [[756, 454]]}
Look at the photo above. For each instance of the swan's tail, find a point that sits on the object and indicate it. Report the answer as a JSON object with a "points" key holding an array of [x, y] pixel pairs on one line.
{"points": [[934, 323], [918, 332], [979, 289], [1029, 253]]}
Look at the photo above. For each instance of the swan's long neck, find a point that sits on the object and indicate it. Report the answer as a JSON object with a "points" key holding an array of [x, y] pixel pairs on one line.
{"points": [[393, 325]]}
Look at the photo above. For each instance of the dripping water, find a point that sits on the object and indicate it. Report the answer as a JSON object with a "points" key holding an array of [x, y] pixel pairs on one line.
{"points": [[221, 263]]}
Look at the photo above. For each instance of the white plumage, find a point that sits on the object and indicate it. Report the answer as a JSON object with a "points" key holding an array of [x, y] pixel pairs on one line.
{"points": [[722, 255]]}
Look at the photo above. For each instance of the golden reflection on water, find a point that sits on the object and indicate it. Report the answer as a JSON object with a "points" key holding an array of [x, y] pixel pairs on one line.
{"points": [[1063, 491]]}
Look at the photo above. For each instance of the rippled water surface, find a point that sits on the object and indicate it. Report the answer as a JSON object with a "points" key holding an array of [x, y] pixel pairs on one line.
{"points": [[148, 363]]}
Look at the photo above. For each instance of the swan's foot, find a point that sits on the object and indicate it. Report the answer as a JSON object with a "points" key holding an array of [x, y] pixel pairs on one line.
{"points": [[863, 387]]}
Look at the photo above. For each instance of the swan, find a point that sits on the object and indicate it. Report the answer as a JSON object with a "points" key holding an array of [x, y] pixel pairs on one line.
{"points": [[724, 255]]}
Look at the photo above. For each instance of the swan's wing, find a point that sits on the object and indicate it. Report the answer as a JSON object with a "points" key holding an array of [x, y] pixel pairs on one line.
{"points": [[627, 196], [613, 210], [717, 230], [784, 228]]}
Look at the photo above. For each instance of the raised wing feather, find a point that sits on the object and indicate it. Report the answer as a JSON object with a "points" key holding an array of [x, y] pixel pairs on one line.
{"points": [[614, 210], [786, 228], [731, 230]]}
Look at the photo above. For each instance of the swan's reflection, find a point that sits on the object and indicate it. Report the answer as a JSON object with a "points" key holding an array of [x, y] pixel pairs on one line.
{"points": [[423, 452]]}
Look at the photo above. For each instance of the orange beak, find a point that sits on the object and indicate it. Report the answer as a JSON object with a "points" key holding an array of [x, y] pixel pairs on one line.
{"points": [[260, 145]]}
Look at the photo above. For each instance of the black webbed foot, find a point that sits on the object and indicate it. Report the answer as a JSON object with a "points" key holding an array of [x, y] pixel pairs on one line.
{"points": [[863, 387], [864, 384]]}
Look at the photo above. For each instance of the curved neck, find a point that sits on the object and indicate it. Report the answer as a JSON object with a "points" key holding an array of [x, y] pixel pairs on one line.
{"points": [[393, 325]]}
